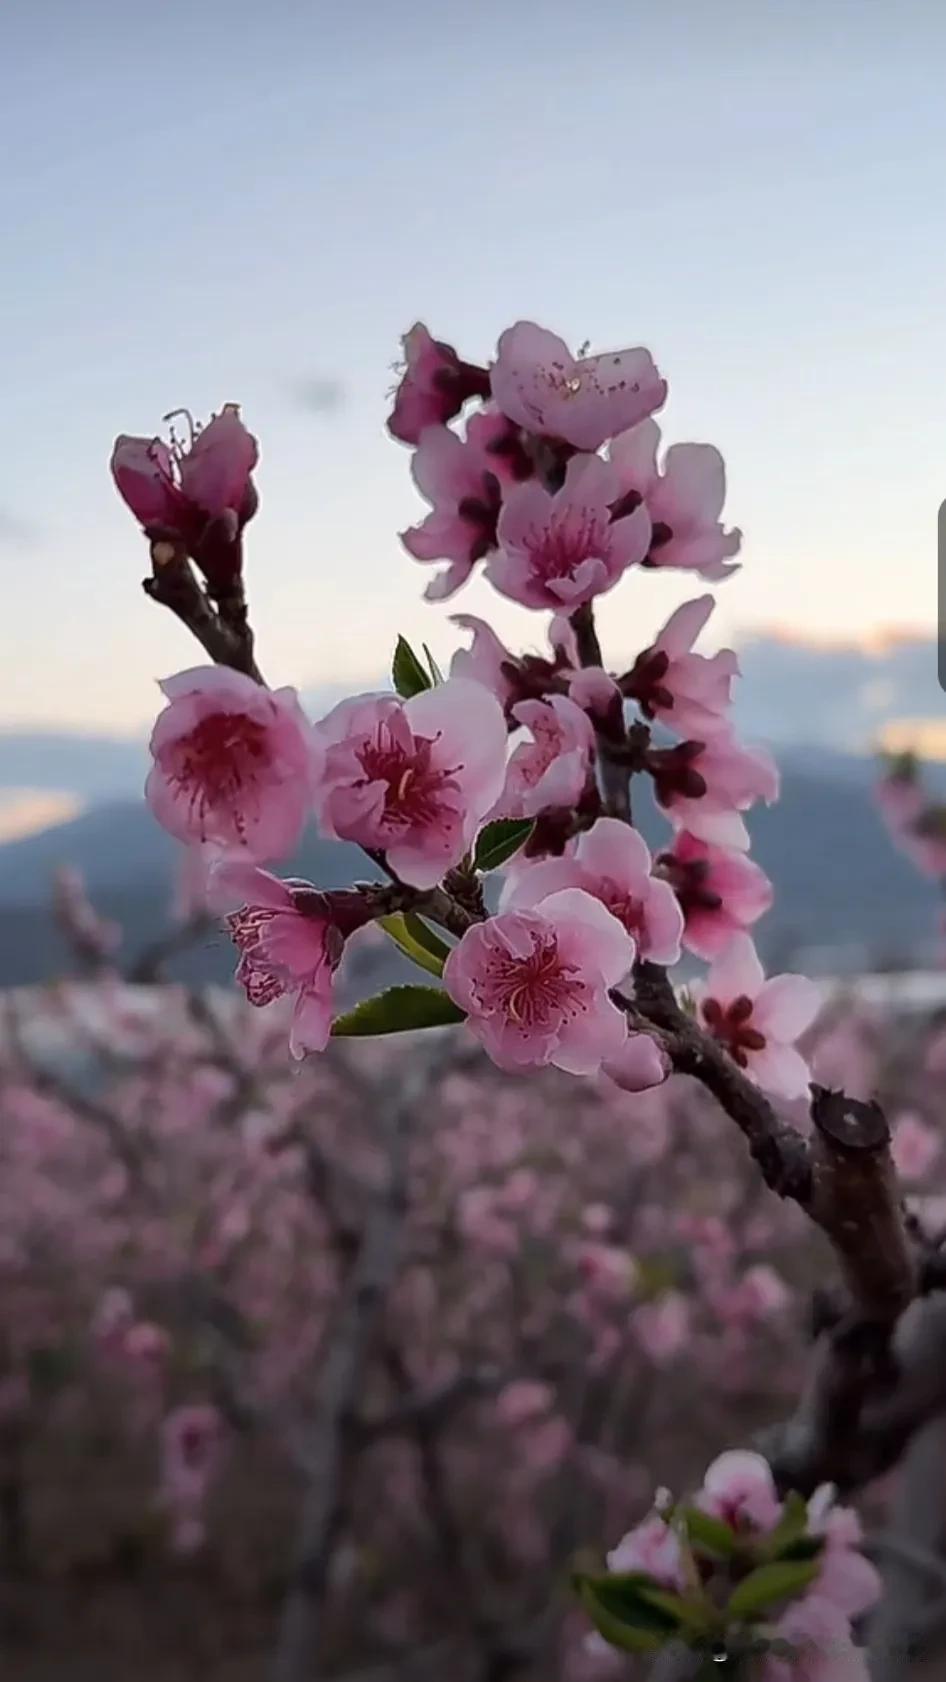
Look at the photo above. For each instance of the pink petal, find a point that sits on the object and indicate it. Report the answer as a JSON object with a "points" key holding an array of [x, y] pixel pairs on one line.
{"points": [[694, 480], [534, 882], [247, 884], [684, 626], [634, 454], [781, 1070], [615, 850], [588, 935], [641, 1064], [737, 972], [786, 1006], [590, 1040], [311, 1022]]}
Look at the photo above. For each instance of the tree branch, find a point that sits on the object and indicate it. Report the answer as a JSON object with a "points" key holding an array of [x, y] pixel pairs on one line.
{"points": [[173, 584]]}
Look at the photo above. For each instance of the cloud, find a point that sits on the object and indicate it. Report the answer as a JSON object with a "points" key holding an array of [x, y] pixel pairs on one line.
{"points": [[320, 394]]}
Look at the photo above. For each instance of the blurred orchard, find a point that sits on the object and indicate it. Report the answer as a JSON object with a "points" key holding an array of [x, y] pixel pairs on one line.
{"points": [[390, 1339]]}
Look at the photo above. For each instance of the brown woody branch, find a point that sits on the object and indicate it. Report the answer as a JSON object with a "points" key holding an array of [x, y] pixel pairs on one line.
{"points": [[225, 636]]}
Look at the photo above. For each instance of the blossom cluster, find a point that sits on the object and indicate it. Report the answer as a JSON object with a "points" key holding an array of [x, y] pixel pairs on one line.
{"points": [[545, 470], [743, 1575]]}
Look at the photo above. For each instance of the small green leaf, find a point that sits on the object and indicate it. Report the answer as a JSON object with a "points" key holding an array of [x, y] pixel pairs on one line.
{"points": [[708, 1533], [416, 940], [435, 671], [500, 840], [407, 673], [782, 1580], [624, 1619], [399, 1010], [697, 1617], [806, 1547]]}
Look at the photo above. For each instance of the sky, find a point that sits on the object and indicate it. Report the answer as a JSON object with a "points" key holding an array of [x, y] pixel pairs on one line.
{"points": [[209, 201]]}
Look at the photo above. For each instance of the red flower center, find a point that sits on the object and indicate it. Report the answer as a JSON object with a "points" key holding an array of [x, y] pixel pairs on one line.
{"points": [[731, 1025], [559, 548], [537, 990], [415, 790], [218, 761]]}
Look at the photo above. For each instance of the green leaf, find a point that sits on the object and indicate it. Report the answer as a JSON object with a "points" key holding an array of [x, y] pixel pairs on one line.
{"points": [[435, 671], [708, 1533], [407, 673], [698, 1617], [625, 1620], [782, 1580], [500, 840], [399, 1010], [416, 941], [806, 1547]]}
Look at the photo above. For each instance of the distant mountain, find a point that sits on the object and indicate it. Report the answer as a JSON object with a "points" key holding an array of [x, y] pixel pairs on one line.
{"points": [[793, 693], [94, 768], [845, 896], [835, 696]]}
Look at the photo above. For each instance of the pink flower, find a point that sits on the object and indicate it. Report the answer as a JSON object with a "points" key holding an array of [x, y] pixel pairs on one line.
{"points": [[215, 471], [539, 384], [202, 495], [143, 471], [640, 1064], [689, 692], [462, 479], [610, 1272], [290, 942], [434, 386], [535, 984], [739, 1489], [684, 500], [758, 1021], [899, 793], [233, 763], [526, 677], [487, 660], [612, 862], [846, 1579], [147, 1346], [704, 786], [759, 1294], [654, 1548], [555, 768], [192, 1439], [924, 841], [915, 1146], [413, 779], [721, 892], [818, 1636], [662, 1327], [560, 550]]}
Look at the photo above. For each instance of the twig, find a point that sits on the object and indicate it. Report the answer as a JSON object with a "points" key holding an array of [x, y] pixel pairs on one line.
{"points": [[173, 584]]}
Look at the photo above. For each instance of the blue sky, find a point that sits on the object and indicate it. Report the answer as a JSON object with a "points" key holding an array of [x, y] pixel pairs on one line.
{"points": [[207, 200]]}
